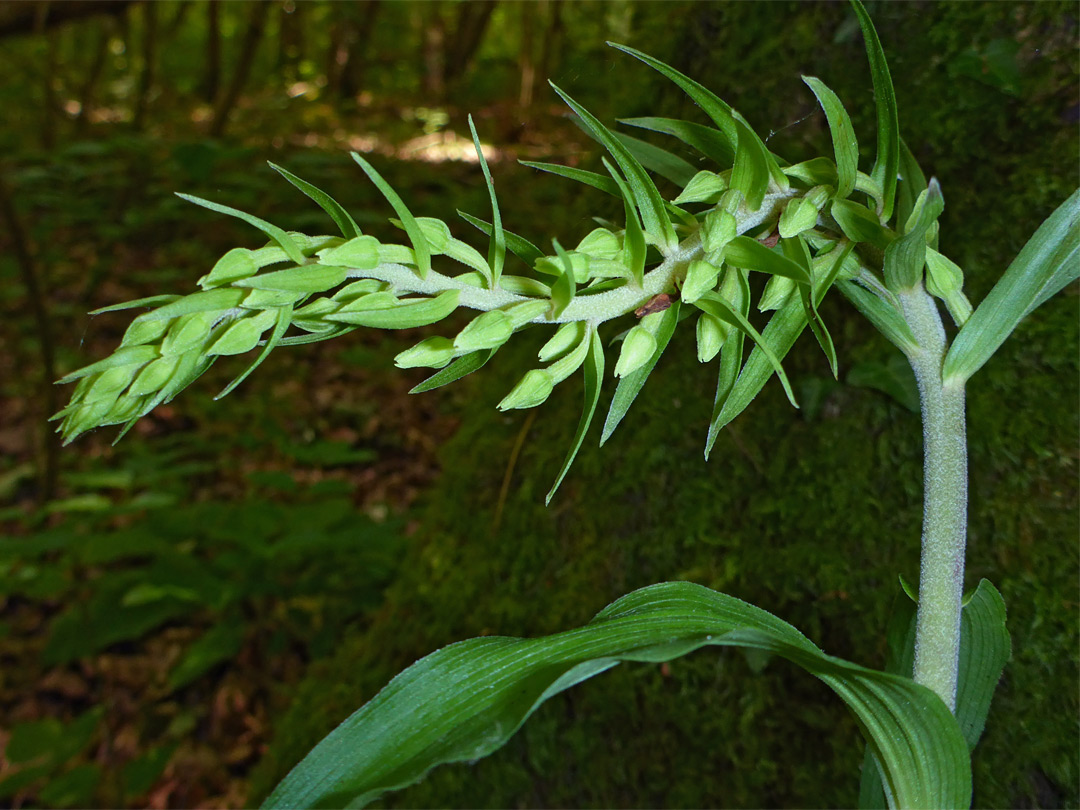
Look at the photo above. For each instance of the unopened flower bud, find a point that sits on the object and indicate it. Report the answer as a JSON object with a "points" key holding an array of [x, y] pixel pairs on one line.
{"points": [[535, 387], [485, 331], [434, 352], [700, 278], [638, 347]]}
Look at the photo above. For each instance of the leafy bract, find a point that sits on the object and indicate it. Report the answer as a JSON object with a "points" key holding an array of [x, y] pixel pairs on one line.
{"points": [[408, 222], [497, 248], [634, 239], [845, 144], [594, 377], [646, 196], [887, 162], [657, 159], [710, 142], [466, 700], [1049, 261], [630, 385], [906, 256], [886, 318], [462, 366], [348, 227], [518, 245], [278, 236]]}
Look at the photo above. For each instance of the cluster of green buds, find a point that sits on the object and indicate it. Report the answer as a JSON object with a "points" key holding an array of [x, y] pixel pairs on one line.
{"points": [[808, 227]]}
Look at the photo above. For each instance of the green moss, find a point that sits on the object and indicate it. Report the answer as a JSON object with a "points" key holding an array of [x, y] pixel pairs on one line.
{"points": [[812, 519]]}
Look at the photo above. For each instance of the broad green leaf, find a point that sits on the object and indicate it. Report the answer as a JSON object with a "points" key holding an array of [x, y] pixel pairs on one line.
{"points": [[348, 227], [905, 257], [634, 239], [464, 365], [276, 235], [887, 163], [412, 228], [657, 159], [648, 199], [883, 315], [710, 142], [750, 174], [497, 247], [1049, 261], [784, 327], [284, 318], [859, 223], [912, 182], [466, 700], [594, 376], [845, 144], [715, 305], [630, 385], [518, 245]]}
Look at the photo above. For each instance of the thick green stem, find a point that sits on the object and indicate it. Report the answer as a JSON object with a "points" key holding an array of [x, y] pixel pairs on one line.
{"points": [[941, 578]]}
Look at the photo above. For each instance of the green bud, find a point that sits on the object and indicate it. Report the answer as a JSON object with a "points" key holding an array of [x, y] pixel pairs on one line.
{"points": [[238, 263], [361, 253], [467, 255], [525, 312], [144, 331], [711, 334], [535, 387], [638, 347], [566, 336], [700, 278], [706, 187], [600, 244], [799, 215], [776, 293], [485, 331], [409, 312], [153, 376], [945, 280], [243, 335], [719, 228], [350, 292], [266, 299], [188, 331], [111, 382], [396, 254], [376, 300], [436, 233], [311, 278], [435, 352], [553, 266]]}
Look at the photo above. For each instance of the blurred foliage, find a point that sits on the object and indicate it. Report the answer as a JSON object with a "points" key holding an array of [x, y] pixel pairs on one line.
{"points": [[157, 617]]}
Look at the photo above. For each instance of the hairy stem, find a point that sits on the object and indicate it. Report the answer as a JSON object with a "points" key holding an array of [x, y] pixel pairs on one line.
{"points": [[941, 578], [594, 308]]}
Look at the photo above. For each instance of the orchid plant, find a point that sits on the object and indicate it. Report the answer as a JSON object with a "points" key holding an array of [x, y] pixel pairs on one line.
{"points": [[811, 228]]}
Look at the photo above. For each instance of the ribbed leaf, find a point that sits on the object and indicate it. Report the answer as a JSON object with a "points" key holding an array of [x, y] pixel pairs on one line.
{"points": [[565, 286], [466, 700], [845, 144], [348, 227], [905, 257], [497, 248], [648, 199], [284, 318], [736, 289], [408, 222], [883, 315], [887, 163], [742, 251], [151, 301], [912, 182], [273, 232], [1049, 261], [859, 223], [710, 142], [750, 174], [594, 377], [630, 385], [657, 159]]}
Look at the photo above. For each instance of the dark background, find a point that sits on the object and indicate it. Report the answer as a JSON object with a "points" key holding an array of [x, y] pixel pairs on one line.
{"points": [[185, 614]]}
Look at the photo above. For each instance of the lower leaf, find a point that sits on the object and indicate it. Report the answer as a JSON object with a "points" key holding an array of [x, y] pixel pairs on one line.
{"points": [[466, 700]]}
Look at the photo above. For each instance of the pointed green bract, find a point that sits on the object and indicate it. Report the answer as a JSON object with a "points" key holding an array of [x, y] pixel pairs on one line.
{"points": [[750, 174], [912, 182], [656, 159], [886, 318], [887, 163], [284, 318], [634, 240], [562, 291], [497, 248], [712, 143], [278, 236], [518, 245], [461, 367], [742, 251], [416, 236], [845, 144], [906, 256], [594, 377], [647, 198], [466, 700], [1049, 261], [348, 227]]}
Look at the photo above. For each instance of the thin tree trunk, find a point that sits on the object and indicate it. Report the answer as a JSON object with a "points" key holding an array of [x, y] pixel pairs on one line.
{"points": [[527, 59], [472, 23], [149, 60], [552, 35], [227, 101], [50, 445], [178, 20], [211, 84], [353, 73], [93, 75]]}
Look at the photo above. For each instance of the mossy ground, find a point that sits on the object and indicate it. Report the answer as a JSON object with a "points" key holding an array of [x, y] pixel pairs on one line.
{"points": [[811, 515]]}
